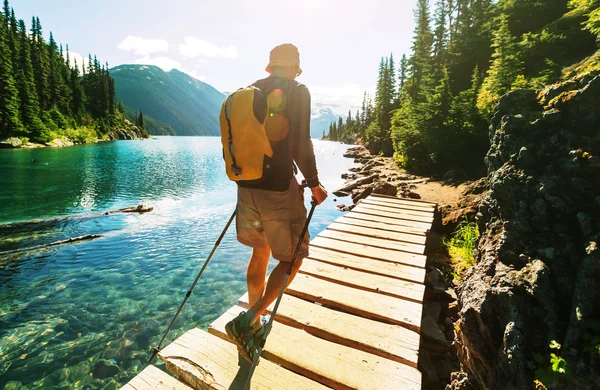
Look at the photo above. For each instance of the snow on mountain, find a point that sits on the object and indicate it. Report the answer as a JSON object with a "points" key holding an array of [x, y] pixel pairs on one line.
{"points": [[321, 117]]}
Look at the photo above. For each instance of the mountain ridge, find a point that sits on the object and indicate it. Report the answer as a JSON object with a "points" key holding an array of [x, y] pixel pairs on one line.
{"points": [[188, 105]]}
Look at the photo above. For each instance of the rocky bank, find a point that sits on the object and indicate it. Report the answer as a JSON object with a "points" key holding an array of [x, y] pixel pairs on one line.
{"points": [[535, 288], [127, 131]]}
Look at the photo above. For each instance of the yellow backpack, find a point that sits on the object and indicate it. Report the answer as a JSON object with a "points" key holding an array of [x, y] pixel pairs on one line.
{"points": [[243, 134]]}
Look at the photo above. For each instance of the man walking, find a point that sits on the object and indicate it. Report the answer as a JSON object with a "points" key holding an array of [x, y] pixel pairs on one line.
{"points": [[271, 211]]}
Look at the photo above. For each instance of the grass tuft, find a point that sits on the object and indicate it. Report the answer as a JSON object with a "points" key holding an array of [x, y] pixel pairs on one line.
{"points": [[460, 246]]}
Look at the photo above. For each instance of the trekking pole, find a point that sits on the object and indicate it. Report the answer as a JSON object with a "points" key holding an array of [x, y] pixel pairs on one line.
{"points": [[187, 295], [287, 276]]}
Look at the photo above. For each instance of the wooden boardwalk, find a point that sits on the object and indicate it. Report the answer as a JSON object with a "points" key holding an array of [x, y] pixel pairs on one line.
{"points": [[349, 320]]}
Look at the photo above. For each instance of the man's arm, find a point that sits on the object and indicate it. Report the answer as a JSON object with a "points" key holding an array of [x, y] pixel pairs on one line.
{"points": [[302, 147]]}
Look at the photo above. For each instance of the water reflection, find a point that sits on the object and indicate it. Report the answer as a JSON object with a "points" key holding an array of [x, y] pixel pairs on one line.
{"points": [[84, 315]]}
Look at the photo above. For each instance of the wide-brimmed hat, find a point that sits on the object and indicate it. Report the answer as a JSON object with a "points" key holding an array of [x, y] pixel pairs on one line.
{"points": [[284, 55]]}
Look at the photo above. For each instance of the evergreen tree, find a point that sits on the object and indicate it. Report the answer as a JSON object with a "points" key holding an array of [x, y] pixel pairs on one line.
{"points": [[506, 66], [440, 40], [402, 76], [419, 82], [140, 121], [9, 108], [39, 60], [6, 12], [29, 105]]}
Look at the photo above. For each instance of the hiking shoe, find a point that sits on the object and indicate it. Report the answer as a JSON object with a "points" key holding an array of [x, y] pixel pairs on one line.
{"points": [[243, 335]]}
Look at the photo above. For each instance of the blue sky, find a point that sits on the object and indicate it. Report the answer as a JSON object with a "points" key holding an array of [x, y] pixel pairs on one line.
{"points": [[227, 43]]}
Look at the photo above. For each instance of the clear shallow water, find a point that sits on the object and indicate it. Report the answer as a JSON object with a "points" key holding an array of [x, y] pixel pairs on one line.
{"points": [[85, 315]]}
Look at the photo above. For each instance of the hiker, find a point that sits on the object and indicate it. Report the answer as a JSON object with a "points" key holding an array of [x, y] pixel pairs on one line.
{"points": [[270, 210]]}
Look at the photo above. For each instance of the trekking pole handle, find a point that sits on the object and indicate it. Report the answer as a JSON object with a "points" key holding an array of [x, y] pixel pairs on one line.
{"points": [[303, 186]]}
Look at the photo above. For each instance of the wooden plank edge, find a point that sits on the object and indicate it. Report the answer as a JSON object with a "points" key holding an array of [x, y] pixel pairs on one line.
{"points": [[405, 199], [336, 229], [374, 246], [362, 287], [396, 221], [334, 338], [389, 205], [370, 257], [399, 278], [411, 222]]}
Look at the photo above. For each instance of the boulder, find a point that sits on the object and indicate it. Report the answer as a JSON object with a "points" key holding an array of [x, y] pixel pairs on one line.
{"points": [[59, 143], [11, 143], [537, 275], [385, 188], [431, 332]]}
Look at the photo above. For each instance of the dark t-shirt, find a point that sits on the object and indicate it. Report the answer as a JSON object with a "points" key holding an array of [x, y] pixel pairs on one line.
{"points": [[288, 130]]}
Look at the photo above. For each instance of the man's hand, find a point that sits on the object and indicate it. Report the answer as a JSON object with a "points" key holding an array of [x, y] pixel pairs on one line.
{"points": [[319, 194]]}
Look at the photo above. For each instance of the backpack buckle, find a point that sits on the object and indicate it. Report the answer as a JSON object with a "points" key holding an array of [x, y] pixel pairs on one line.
{"points": [[235, 169]]}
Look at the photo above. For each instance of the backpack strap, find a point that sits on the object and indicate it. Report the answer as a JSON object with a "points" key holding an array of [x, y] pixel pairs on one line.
{"points": [[294, 166], [234, 167]]}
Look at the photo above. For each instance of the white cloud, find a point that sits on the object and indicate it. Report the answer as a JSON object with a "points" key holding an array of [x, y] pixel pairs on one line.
{"points": [[195, 75], [75, 57], [143, 46], [165, 63], [339, 99], [194, 47]]}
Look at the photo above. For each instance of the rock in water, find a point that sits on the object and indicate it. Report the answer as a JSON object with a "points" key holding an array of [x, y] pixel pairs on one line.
{"points": [[537, 277]]}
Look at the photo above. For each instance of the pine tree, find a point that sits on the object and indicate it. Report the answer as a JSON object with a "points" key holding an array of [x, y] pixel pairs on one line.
{"points": [[402, 77], [440, 40], [419, 82], [6, 12], [39, 60], [506, 66], [9, 109], [29, 105], [140, 121]]}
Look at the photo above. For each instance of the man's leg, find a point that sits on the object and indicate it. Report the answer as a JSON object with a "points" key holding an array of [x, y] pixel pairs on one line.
{"points": [[273, 288], [257, 273]]}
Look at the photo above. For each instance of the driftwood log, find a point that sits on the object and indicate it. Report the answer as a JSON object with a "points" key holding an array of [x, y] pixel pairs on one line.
{"points": [[55, 243], [346, 189]]}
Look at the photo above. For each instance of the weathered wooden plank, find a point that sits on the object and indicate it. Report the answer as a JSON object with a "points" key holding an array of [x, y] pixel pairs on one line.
{"points": [[416, 221], [399, 213], [154, 378], [378, 267], [393, 256], [382, 234], [208, 362], [363, 303], [373, 241], [332, 364], [390, 221], [401, 203], [395, 198], [404, 209], [417, 234], [364, 281], [389, 341]]}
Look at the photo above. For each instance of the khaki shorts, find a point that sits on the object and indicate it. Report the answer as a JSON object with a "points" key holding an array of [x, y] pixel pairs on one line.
{"points": [[274, 219]]}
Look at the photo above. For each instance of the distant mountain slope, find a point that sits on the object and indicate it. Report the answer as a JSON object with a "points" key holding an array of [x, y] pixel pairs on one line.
{"points": [[153, 126], [321, 118], [189, 106]]}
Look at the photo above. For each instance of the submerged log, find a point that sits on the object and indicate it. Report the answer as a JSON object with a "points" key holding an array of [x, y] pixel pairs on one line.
{"points": [[55, 243], [140, 208]]}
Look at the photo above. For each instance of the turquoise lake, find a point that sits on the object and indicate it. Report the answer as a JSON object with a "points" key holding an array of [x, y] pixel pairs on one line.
{"points": [[85, 315]]}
